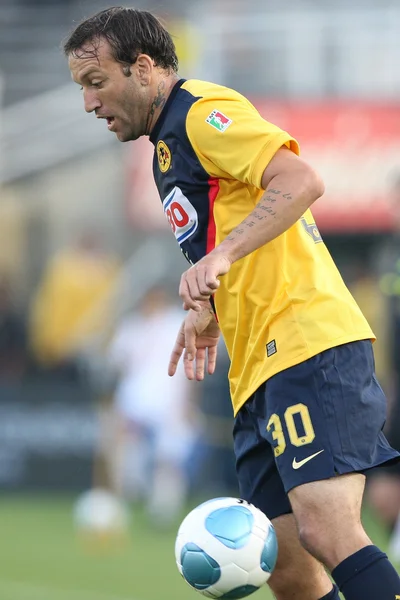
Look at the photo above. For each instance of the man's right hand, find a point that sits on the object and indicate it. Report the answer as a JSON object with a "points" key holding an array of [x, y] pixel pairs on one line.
{"points": [[197, 340]]}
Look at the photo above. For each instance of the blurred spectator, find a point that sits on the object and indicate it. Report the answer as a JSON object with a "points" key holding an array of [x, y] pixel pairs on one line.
{"points": [[384, 485], [70, 302], [13, 338], [364, 286], [158, 422], [217, 461]]}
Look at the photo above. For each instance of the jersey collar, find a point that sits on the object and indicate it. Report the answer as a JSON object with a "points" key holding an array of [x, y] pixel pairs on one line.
{"points": [[156, 129]]}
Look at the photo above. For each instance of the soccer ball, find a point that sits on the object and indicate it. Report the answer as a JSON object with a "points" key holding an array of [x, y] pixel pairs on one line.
{"points": [[101, 511], [226, 548], [101, 520]]}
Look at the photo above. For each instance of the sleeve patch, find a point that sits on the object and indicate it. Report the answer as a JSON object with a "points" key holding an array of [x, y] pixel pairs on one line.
{"points": [[218, 120]]}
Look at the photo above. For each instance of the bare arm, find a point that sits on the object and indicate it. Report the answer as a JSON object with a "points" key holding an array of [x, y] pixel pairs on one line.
{"points": [[291, 187]]}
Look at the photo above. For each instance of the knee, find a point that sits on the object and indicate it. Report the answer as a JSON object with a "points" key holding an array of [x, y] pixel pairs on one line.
{"points": [[330, 545], [312, 539]]}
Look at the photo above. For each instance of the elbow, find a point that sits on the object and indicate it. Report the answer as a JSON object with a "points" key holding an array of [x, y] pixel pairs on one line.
{"points": [[313, 185], [319, 186]]}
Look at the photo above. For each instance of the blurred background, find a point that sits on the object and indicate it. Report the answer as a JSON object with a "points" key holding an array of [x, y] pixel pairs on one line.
{"points": [[95, 475]]}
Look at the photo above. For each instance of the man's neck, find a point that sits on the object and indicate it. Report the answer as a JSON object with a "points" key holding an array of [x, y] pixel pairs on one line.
{"points": [[164, 88]]}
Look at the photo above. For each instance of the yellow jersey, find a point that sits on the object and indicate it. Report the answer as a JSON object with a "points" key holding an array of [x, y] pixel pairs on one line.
{"points": [[286, 301]]}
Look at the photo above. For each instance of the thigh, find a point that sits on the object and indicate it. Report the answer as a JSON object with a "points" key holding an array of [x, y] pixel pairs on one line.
{"points": [[258, 477], [334, 501], [328, 515], [324, 417]]}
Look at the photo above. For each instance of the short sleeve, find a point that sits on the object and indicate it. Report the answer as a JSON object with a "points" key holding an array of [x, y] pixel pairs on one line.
{"points": [[232, 140]]}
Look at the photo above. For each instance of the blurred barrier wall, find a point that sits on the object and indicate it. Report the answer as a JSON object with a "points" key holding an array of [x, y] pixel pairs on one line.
{"points": [[48, 434]]}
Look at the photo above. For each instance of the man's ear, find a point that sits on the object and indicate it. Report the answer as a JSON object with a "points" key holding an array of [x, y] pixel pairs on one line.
{"points": [[144, 66]]}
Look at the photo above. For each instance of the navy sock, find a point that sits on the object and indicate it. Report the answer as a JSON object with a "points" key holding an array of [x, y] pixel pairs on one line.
{"points": [[333, 594], [367, 575]]}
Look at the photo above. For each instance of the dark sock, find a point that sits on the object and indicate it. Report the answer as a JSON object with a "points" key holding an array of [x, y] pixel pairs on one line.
{"points": [[367, 575], [333, 594]]}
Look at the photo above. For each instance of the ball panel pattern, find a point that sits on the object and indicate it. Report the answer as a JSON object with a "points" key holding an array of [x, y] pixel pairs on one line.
{"points": [[270, 552], [198, 568], [231, 525]]}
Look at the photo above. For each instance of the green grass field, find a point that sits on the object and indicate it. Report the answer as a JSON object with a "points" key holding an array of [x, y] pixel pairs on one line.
{"points": [[42, 559]]}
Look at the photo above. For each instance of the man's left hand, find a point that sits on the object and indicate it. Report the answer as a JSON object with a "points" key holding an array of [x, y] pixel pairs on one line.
{"points": [[201, 280]]}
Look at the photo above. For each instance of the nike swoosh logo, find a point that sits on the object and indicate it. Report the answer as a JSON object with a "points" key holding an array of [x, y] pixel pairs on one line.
{"points": [[297, 465]]}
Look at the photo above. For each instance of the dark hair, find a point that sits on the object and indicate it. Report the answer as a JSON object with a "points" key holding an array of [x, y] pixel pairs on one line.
{"points": [[129, 32]]}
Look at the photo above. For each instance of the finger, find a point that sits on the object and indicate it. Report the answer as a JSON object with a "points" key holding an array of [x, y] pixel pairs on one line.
{"points": [[176, 354], [185, 294], [204, 291], [174, 360], [200, 363], [211, 359], [190, 342], [187, 307], [193, 287], [190, 351], [188, 364], [212, 283], [207, 280]]}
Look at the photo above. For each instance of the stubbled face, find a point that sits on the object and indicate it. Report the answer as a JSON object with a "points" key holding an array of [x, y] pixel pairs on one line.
{"points": [[123, 101]]}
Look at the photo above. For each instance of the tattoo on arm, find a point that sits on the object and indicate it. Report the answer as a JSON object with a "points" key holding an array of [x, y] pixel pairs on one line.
{"points": [[262, 211], [158, 103]]}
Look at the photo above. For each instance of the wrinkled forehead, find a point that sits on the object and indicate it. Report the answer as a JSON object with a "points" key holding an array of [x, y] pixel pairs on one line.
{"points": [[95, 54], [97, 48]]}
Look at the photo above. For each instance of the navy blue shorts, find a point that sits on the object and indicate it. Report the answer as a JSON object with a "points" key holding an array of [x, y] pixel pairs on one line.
{"points": [[313, 421]]}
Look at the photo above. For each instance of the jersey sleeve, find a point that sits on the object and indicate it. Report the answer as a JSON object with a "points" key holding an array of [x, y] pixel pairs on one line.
{"points": [[232, 140]]}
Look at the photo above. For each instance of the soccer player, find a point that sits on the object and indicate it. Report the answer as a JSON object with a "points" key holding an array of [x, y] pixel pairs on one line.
{"points": [[308, 409]]}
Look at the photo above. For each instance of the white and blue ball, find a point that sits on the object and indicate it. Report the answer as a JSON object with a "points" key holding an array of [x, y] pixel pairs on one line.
{"points": [[226, 548]]}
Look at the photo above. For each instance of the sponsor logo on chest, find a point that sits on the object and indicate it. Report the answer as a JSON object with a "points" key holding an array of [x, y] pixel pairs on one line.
{"points": [[181, 214]]}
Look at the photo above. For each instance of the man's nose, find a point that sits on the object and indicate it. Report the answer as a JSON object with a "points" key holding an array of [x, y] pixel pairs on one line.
{"points": [[91, 100]]}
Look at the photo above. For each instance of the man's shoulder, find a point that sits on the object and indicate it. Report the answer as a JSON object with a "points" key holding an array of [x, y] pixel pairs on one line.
{"points": [[216, 105], [209, 91], [197, 99]]}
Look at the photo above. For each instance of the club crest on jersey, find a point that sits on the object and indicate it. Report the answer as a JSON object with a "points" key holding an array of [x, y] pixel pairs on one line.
{"points": [[163, 156], [218, 120], [181, 215], [312, 230]]}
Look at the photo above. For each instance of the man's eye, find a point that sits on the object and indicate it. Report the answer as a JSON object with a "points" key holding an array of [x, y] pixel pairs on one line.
{"points": [[96, 84]]}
